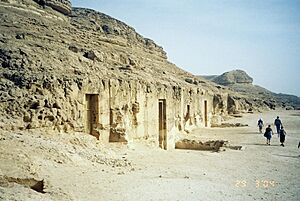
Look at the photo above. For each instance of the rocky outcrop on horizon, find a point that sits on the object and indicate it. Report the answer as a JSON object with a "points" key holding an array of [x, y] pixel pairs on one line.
{"points": [[233, 77], [239, 81]]}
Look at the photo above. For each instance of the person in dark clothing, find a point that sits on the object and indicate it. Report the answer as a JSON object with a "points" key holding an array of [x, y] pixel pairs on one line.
{"points": [[268, 134], [282, 134], [299, 145], [260, 125], [278, 124]]}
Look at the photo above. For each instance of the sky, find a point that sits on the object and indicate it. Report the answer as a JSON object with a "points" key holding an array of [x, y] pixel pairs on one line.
{"points": [[210, 37]]}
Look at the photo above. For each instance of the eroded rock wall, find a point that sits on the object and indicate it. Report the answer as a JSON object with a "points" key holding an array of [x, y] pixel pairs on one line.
{"points": [[134, 111], [125, 110], [91, 73]]}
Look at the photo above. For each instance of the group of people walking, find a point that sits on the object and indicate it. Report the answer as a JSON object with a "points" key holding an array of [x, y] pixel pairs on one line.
{"points": [[269, 132]]}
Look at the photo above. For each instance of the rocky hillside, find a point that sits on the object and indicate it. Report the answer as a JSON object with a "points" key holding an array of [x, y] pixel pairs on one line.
{"points": [[240, 82], [50, 51]]}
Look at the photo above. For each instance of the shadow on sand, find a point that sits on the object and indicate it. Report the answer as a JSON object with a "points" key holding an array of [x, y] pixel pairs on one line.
{"points": [[287, 156], [257, 144], [250, 133]]}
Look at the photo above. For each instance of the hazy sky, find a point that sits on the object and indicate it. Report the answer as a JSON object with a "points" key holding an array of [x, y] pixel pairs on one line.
{"points": [[208, 37]]}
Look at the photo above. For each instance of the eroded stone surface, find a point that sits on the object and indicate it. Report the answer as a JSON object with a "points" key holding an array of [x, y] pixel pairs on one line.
{"points": [[213, 145], [91, 73], [63, 6]]}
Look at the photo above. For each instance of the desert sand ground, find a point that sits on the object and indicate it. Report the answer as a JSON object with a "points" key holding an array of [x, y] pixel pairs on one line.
{"points": [[78, 167]]}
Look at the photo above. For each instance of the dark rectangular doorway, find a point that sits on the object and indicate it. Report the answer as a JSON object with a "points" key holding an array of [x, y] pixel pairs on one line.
{"points": [[92, 112], [205, 113], [162, 124], [187, 115]]}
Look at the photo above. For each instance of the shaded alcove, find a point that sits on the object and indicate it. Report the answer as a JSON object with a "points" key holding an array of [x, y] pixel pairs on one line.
{"points": [[162, 123], [91, 114]]}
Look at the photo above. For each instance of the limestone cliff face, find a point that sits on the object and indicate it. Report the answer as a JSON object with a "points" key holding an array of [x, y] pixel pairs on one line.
{"points": [[86, 71], [81, 70]]}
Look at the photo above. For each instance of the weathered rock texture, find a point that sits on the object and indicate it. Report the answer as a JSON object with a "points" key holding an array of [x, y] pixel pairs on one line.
{"points": [[84, 71], [213, 145], [63, 6], [91, 73]]}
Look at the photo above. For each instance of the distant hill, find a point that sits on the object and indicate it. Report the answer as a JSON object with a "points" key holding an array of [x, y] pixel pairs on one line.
{"points": [[239, 81], [233, 77]]}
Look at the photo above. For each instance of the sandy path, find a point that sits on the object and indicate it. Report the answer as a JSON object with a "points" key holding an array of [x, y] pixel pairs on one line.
{"points": [[80, 168], [270, 172]]}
